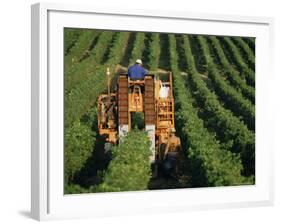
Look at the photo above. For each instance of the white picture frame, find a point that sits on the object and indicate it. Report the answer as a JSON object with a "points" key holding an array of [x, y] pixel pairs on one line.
{"points": [[48, 201]]}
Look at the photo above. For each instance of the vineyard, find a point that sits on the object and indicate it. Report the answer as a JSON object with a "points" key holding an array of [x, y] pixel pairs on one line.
{"points": [[214, 90]]}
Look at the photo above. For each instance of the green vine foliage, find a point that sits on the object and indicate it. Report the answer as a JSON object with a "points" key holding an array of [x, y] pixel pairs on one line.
{"points": [[249, 55], [79, 137], [129, 169], [232, 99], [84, 95], [210, 164], [154, 52], [70, 37], [79, 142], [75, 189], [219, 147], [84, 70], [138, 48], [80, 49], [251, 42], [239, 62], [230, 129], [232, 75]]}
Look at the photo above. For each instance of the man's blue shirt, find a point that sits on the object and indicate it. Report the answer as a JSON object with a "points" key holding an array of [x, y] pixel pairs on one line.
{"points": [[136, 72]]}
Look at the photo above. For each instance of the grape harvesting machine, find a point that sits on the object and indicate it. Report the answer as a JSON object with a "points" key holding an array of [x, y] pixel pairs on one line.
{"points": [[152, 96]]}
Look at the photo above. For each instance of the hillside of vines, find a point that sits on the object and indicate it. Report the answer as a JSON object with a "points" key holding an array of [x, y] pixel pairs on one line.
{"points": [[214, 91]]}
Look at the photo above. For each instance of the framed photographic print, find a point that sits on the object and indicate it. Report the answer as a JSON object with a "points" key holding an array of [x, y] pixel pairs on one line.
{"points": [[148, 111]]}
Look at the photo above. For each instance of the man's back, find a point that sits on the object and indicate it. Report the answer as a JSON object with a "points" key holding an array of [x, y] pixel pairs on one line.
{"points": [[136, 72]]}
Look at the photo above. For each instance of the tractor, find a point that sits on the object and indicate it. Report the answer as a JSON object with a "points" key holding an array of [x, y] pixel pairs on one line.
{"points": [[152, 96]]}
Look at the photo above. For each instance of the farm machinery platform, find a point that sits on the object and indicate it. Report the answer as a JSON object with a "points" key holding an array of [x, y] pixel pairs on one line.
{"points": [[152, 96]]}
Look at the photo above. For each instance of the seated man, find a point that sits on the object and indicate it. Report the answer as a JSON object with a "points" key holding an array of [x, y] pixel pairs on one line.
{"points": [[136, 71], [172, 153]]}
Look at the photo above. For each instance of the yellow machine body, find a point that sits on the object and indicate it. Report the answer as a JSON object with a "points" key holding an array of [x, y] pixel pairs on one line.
{"points": [[153, 96]]}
